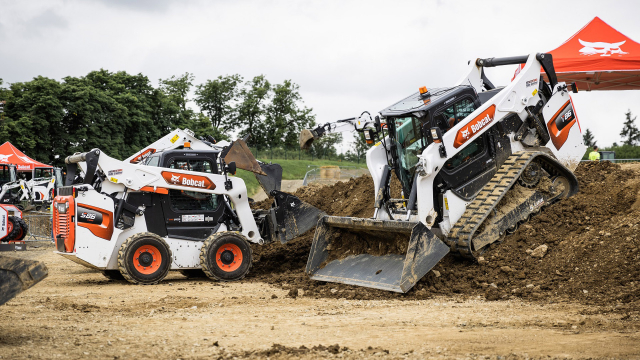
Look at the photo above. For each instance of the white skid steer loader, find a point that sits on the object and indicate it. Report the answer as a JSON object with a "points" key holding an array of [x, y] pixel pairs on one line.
{"points": [[171, 206], [457, 151]]}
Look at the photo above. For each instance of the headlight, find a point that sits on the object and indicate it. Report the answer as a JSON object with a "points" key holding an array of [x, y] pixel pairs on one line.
{"points": [[62, 208]]}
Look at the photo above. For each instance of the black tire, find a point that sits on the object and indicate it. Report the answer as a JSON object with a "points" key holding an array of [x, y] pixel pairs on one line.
{"points": [[19, 231], [113, 275], [224, 249], [149, 248], [193, 273]]}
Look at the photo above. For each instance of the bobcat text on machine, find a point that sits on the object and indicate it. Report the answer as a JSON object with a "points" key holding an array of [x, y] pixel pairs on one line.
{"points": [[457, 152], [171, 207]]}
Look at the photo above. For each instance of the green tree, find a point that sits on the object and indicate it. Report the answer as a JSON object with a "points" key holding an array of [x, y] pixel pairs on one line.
{"points": [[587, 139], [251, 110], [174, 100], [216, 99], [630, 132], [284, 118], [33, 118], [116, 112], [360, 146], [325, 147]]}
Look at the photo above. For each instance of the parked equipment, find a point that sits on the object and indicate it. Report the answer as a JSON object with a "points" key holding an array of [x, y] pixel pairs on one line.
{"points": [[474, 161], [13, 229], [36, 192], [171, 206]]}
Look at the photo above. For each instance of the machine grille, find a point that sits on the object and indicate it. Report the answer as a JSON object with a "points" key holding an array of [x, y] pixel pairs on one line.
{"points": [[62, 223]]}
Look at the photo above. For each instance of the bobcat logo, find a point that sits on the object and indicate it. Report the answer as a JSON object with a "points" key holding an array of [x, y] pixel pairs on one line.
{"points": [[175, 179], [606, 49], [465, 133], [5, 158]]}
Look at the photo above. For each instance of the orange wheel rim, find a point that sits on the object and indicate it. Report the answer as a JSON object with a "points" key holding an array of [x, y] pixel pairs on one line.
{"points": [[9, 227], [147, 259], [229, 257]]}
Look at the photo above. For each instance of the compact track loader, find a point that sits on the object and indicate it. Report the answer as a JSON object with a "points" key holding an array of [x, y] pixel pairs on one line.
{"points": [[171, 206], [474, 160]]}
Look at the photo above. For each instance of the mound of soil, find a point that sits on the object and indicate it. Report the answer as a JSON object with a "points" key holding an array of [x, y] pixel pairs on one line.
{"points": [[585, 248]]}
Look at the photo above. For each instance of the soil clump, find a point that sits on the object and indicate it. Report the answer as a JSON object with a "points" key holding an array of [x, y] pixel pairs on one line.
{"points": [[592, 249]]}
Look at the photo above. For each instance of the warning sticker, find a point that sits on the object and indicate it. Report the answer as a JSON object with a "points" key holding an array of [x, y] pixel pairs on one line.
{"points": [[192, 218], [175, 138], [113, 180]]}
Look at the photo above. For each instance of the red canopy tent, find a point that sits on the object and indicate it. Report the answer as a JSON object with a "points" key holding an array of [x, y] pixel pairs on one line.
{"points": [[9, 154], [599, 57]]}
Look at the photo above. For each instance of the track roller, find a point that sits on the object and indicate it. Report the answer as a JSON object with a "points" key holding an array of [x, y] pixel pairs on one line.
{"points": [[144, 258], [226, 256]]}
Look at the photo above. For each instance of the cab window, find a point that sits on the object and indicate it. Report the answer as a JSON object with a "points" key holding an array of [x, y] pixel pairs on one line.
{"points": [[41, 173], [199, 165], [153, 161], [5, 174], [452, 115], [469, 152], [182, 200]]}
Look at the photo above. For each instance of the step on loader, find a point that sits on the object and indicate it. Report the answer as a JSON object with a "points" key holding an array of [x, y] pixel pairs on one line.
{"points": [[172, 206], [474, 162]]}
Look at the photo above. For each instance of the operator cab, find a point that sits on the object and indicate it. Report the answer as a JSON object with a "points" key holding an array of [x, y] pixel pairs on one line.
{"points": [[409, 123], [187, 215], [410, 120]]}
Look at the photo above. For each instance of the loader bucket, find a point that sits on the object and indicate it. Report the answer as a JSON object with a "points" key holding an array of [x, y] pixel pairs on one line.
{"points": [[273, 179], [17, 275], [293, 217], [239, 153], [306, 138], [393, 272]]}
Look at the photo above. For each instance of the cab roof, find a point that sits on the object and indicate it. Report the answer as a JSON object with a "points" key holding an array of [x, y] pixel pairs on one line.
{"points": [[416, 102]]}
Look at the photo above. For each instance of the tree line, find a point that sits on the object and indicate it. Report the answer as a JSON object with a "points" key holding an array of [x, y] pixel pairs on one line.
{"points": [[630, 136], [121, 113]]}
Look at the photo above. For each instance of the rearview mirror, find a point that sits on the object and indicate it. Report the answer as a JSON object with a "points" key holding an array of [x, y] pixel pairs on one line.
{"points": [[231, 168]]}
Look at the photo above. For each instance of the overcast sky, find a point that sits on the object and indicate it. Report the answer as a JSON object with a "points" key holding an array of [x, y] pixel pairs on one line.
{"points": [[347, 56]]}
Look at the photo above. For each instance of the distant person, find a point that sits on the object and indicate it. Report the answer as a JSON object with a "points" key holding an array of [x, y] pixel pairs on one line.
{"points": [[594, 155]]}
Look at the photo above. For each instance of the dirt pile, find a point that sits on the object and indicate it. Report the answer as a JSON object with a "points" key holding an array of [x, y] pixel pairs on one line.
{"points": [[592, 248]]}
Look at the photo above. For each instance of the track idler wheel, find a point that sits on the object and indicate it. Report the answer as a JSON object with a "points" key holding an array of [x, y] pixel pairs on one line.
{"points": [[531, 175], [226, 256], [144, 258], [562, 186]]}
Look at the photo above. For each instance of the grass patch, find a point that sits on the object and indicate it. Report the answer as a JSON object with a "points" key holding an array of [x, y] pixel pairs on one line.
{"points": [[291, 170]]}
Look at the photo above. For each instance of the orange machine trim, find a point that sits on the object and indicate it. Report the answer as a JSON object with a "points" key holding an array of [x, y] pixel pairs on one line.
{"points": [[478, 123], [103, 230], [157, 190], [559, 137], [195, 181], [145, 154], [63, 225]]}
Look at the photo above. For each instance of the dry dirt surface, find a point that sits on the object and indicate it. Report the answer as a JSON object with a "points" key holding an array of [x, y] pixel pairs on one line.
{"points": [[580, 299]]}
